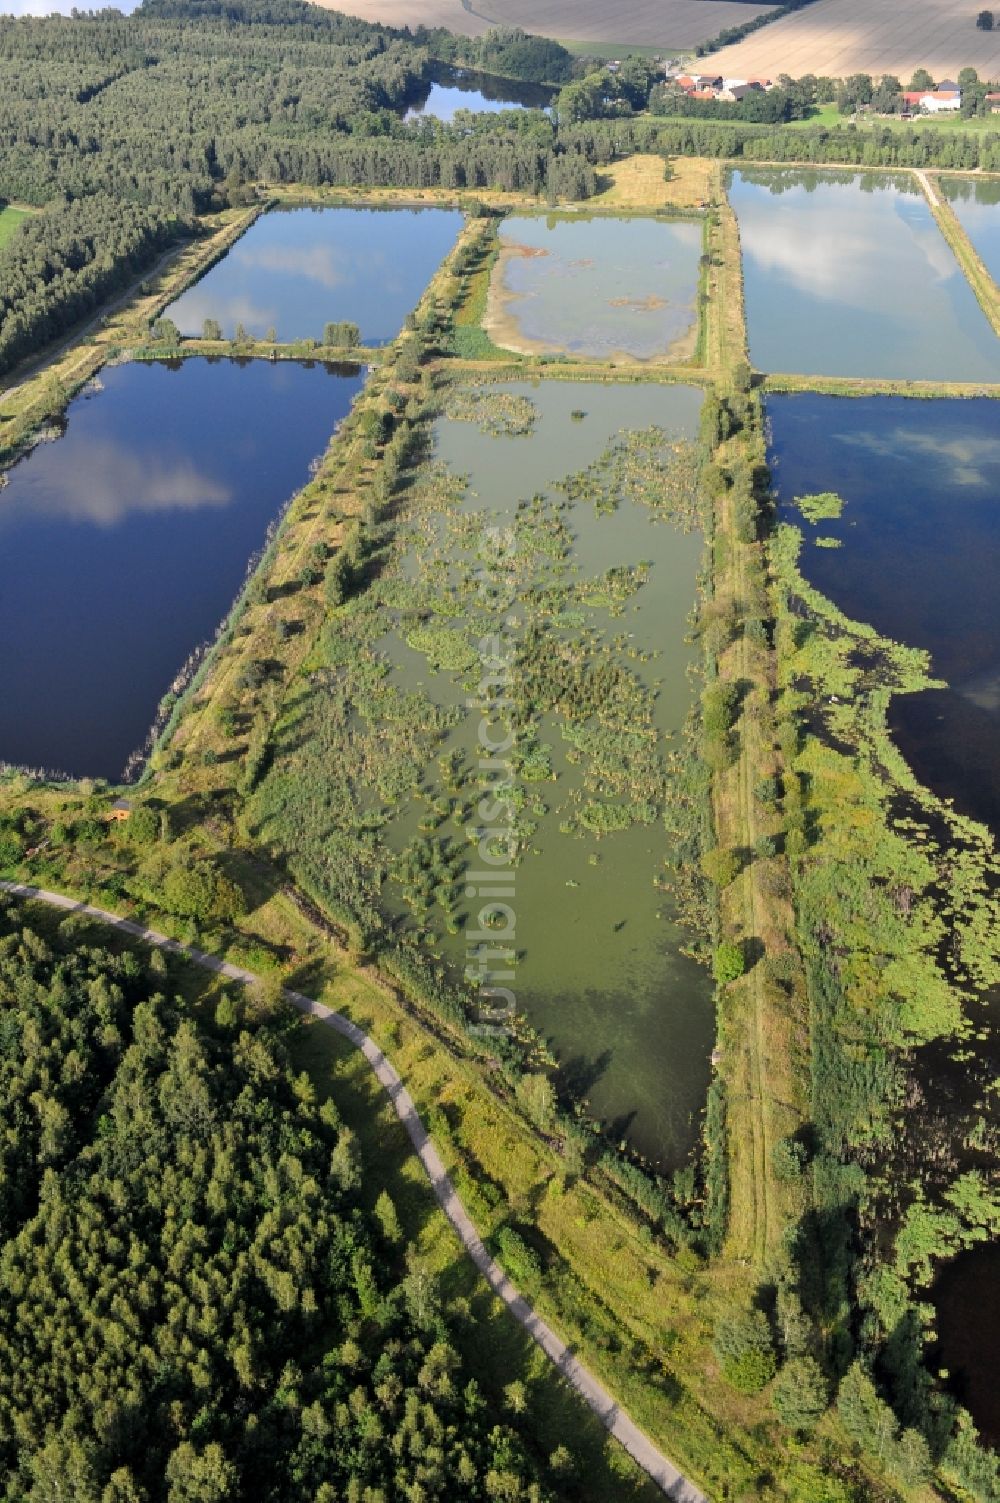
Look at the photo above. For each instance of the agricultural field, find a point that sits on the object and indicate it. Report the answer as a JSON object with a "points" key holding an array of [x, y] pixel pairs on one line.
{"points": [[841, 37], [673, 25]]}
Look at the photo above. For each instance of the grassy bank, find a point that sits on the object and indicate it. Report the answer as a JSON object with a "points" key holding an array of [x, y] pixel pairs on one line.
{"points": [[849, 386]]}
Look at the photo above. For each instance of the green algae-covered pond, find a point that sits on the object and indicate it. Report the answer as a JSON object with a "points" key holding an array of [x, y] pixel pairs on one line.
{"points": [[596, 288], [551, 542]]}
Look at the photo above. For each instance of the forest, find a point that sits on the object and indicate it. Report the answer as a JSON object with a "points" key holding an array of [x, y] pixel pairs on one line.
{"points": [[194, 1301]]}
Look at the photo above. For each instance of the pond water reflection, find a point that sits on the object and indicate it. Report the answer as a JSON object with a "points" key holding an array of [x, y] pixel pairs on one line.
{"points": [[850, 276], [296, 270], [126, 540]]}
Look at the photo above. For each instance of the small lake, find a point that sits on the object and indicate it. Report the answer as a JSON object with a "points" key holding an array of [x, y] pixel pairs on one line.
{"points": [[920, 559], [451, 89], [126, 540], [296, 270], [977, 208], [599, 970], [597, 287], [850, 276]]}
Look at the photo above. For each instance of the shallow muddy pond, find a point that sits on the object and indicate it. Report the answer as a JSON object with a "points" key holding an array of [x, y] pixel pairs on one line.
{"points": [[295, 270], [596, 288], [919, 559], [977, 207], [126, 540], [598, 970], [449, 90], [850, 276]]}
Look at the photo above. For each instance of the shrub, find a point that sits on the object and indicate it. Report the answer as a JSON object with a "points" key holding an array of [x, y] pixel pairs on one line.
{"points": [[767, 791], [729, 962], [745, 1349], [721, 865], [198, 891], [788, 1159], [520, 1260], [719, 705]]}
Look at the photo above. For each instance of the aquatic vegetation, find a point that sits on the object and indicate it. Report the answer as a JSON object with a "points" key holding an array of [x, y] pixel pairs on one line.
{"points": [[496, 411], [647, 467], [822, 507]]}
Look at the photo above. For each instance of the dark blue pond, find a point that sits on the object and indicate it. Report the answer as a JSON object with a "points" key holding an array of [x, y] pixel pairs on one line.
{"points": [[920, 560], [451, 89], [125, 542], [295, 270]]}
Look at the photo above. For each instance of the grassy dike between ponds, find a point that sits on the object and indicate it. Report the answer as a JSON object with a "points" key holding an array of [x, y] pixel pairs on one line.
{"points": [[965, 253], [762, 1027]]}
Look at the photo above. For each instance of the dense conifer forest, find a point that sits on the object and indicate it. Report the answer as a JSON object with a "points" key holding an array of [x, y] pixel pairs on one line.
{"points": [[193, 1302]]}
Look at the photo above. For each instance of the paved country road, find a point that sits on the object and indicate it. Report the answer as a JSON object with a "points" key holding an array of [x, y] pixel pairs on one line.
{"points": [[611, 1415]]}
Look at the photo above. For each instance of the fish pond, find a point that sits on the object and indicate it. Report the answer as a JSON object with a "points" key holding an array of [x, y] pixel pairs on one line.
{"points": [[850, 276], [551, 547], [448, 90], [126, 540], [917, 554], [295, 270], [596, 288], [977, 207]]}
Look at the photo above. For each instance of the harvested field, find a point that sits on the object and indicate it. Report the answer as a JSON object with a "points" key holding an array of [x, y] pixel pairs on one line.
{"points": [[638, 183], [840, 37], [671, 24]]}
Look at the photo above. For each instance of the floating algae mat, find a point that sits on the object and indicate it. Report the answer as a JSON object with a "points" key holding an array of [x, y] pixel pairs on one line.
{"points": [[596, 288], [555, 530]]}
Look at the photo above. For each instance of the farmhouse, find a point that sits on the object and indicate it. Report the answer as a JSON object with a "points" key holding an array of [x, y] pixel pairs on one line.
{"points": [[734, 92], [932, 102], [940, 102]]}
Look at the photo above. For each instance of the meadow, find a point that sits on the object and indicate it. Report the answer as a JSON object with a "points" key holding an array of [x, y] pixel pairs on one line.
{"points": [[10, 221]]}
